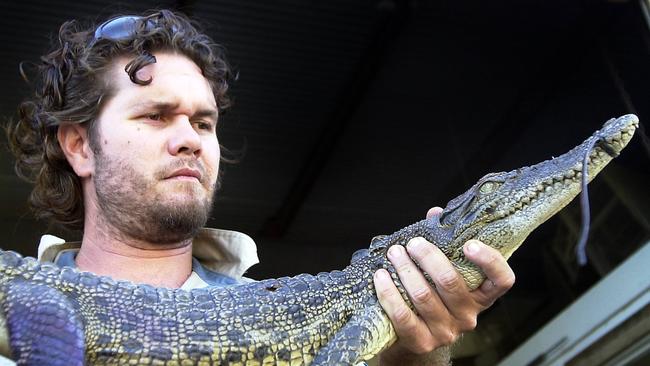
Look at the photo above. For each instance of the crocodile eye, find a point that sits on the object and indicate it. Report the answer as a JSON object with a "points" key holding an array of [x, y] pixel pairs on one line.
{"points": [[488, 187]]}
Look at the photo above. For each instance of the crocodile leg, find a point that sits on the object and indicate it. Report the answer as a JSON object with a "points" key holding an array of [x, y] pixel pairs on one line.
{"points": [[365, 334], [44, 328]]}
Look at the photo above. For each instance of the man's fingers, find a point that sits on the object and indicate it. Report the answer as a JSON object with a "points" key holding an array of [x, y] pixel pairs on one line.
{"points": [[423, 296], [408, 326], [499, 275], [433, 211], [450, 285], [391, 300]]}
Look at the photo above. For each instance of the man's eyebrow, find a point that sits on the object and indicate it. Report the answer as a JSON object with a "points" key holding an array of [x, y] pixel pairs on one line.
{"points": [[161, 106], [169, 106], [209, 113]]}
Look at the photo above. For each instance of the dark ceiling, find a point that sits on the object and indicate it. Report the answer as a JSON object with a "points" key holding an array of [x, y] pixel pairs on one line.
{"points": [[357, 116]]}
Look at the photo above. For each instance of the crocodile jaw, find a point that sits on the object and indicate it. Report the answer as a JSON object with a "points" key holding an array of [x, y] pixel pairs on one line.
{"points": [[515, 203]]}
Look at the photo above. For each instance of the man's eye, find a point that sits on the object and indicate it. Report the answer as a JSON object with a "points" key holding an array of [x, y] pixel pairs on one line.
{"points": [[154, 116], [204, 126]]}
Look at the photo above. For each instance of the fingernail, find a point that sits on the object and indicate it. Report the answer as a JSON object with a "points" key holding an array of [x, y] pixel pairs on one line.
{"points": [[396, 251], [382, 275], [472, 247], [414, 243]]}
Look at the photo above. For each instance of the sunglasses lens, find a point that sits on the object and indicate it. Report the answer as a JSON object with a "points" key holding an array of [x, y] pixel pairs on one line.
{"points": [[118, 28]]}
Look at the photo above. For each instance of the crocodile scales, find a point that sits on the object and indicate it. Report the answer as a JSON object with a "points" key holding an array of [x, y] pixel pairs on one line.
{"points": [[60, 316]]}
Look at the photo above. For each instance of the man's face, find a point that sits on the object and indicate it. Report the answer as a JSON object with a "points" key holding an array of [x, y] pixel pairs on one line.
{"points": [[156, 151]]}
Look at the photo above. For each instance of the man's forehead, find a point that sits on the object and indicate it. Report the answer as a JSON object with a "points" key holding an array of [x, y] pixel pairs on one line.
{"points": [[169, 74], [165, 55], [166, 64]]}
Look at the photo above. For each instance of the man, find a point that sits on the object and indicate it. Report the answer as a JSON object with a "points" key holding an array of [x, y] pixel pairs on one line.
{"points": [[120, 142]]}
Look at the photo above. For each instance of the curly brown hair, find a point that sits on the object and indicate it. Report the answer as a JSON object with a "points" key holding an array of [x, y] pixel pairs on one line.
{"points": [[71, 86]]}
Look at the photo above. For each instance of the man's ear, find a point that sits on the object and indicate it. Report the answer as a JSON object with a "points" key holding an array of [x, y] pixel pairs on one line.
{"points": [[73, 139]]}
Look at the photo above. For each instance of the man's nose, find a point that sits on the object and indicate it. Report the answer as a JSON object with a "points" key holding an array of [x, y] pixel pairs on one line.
{"points": [[184, 138]]}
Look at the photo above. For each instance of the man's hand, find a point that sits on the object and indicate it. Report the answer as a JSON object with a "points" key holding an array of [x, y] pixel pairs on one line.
{"points": [[444, 312]]}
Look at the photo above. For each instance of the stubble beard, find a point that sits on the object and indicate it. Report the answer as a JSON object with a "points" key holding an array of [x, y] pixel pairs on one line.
{"points": [[133, 206]]}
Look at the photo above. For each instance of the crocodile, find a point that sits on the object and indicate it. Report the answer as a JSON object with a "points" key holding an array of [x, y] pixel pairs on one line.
{"points": [[61, 316]]}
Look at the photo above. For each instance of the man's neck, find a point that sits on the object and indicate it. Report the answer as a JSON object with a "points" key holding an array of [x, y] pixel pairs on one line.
{"points": [[132, 260]]}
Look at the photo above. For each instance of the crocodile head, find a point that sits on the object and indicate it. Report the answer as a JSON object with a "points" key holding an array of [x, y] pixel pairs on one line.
{"points": [[501, 209]]}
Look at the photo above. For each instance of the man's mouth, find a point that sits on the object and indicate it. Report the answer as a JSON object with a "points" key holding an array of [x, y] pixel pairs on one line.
{"points": [[185, 174]]}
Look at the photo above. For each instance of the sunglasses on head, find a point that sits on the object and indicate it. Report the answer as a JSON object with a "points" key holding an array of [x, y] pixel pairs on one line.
{"points": [[124, 27]]}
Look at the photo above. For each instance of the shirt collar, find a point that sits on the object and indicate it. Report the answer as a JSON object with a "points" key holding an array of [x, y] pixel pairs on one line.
{"points": [[224, 251]]}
